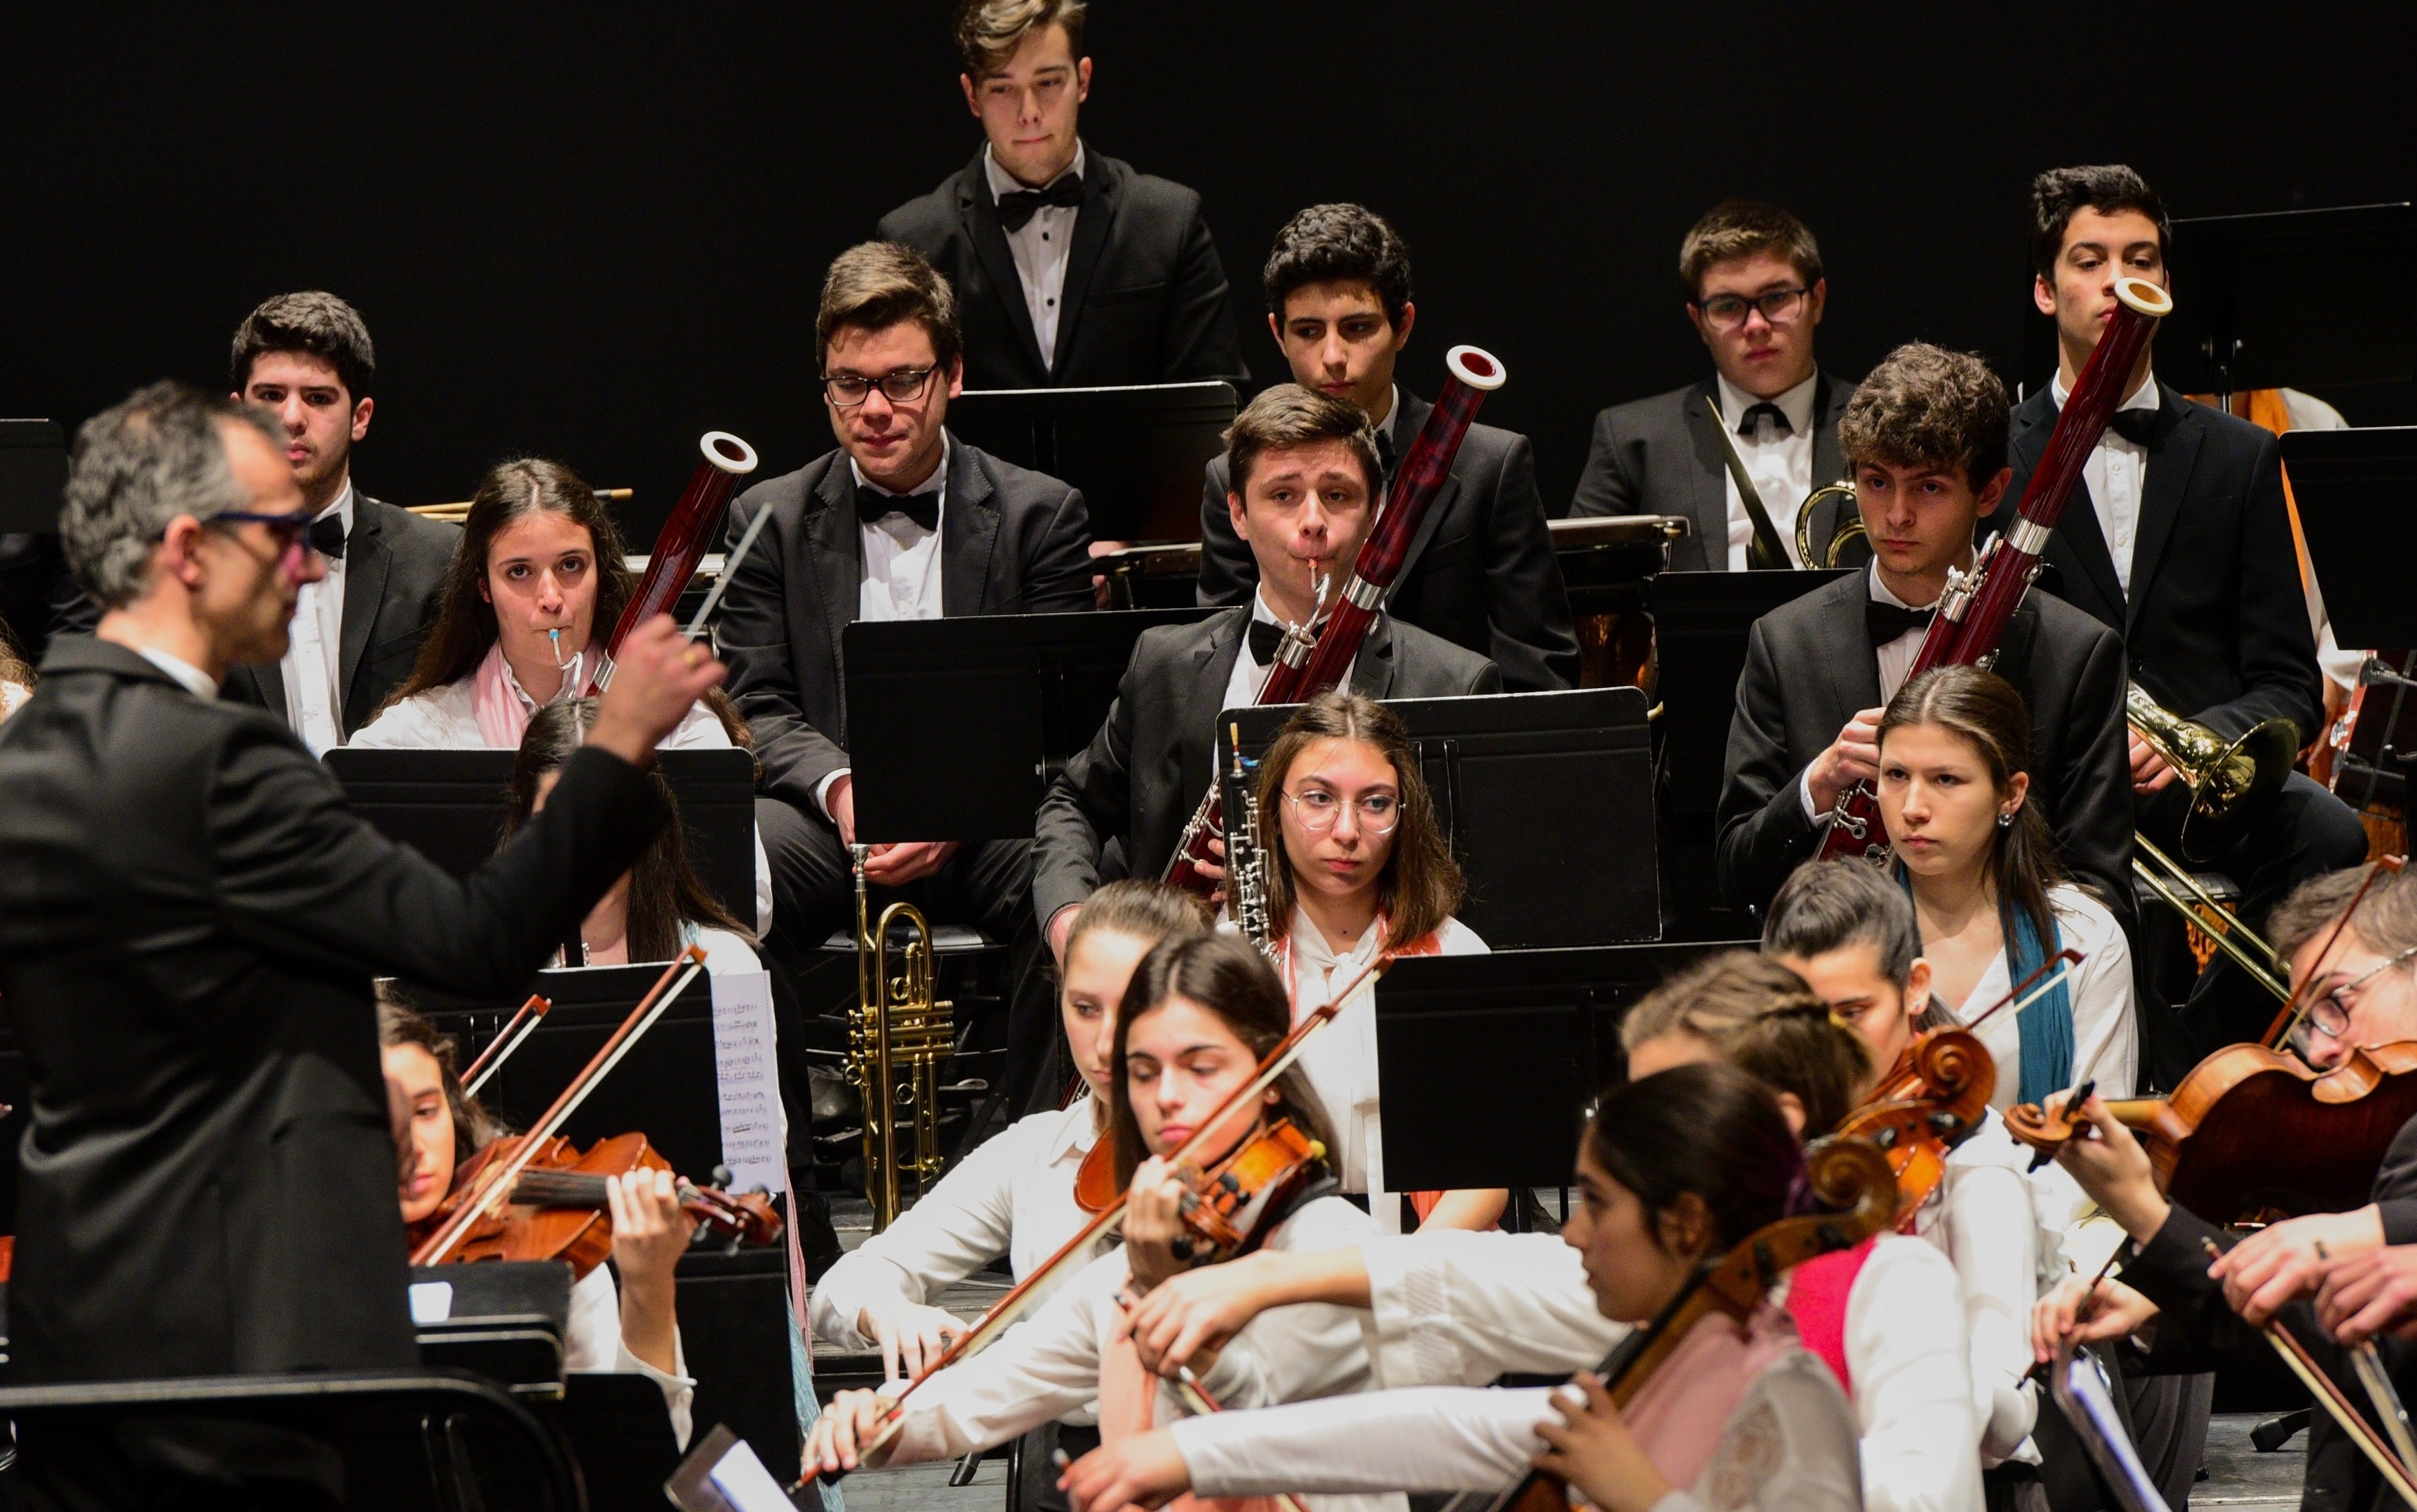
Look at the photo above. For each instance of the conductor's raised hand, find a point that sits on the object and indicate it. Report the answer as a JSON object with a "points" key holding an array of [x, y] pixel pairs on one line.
{"points": [[658, 677]]}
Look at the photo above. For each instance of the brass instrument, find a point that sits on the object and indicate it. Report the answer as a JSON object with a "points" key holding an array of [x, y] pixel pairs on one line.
{"points": [[2227, 781], [897, 1039], [2168, 879], [1848, 526]]}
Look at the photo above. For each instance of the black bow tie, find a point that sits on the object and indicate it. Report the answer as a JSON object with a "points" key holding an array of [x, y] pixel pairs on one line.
{"points": [[1017, 208], [328, 536], [1385, 458], [2135, 425], [1755, 412], [1266, 635], [872, 507], [1886, 622]]}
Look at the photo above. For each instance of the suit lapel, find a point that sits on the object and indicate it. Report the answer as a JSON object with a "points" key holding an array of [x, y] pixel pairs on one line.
{"points": [[838, 551], [1092, 224], [1709, 491], [968, 535], [980, 213], [1212, 668], [1406, 430], [1829, 459], [1372, 669], [367, 561], [269, 682], [1854, 670], [2172, 452], [2078, 523]]}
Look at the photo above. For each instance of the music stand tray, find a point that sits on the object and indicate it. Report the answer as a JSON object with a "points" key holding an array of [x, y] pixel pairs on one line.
{"points": [[956, 727], [2355, 491], [1545, 798], [1489, 1064], [1137, 453], [33, 477]]}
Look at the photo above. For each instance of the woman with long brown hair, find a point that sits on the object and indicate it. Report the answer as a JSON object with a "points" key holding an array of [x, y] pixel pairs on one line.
{"points": [[1356, 867]]}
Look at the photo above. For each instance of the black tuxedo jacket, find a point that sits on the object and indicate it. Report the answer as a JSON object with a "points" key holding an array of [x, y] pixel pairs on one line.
{"points": [[190, 921], [1144, 301], [395, 564], [1120, 808], [1481, 571], [2216, 624], [1809, 667], [1011, 542], [1661, 456]]}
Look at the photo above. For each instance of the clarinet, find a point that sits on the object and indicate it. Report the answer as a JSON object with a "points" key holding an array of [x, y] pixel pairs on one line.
{"points": [[1312, 659], [1246, 859], [1973, 611]]}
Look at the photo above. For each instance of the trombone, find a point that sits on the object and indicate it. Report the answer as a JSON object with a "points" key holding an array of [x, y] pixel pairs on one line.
{"points": [[898, 1024], [2248, 950], [1846, 525]]}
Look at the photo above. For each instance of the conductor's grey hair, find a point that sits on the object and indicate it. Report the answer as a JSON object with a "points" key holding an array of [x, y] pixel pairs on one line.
{"points": [[137, 466]]}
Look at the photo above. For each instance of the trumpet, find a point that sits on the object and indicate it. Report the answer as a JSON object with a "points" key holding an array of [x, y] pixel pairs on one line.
{"points": [[2169, 881], [2228, 782], [898, 1027]]}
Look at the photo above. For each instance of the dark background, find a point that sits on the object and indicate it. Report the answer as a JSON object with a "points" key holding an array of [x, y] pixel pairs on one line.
{"points": [[594, 233]]}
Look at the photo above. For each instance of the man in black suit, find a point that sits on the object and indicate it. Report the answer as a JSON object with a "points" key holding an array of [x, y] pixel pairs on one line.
{"points": [[902, 522], [189, 921], [307, 359], [1755, 294], [1481, 571], [1926, 437], [1306, 477], [2179, 540], [1071, 269]]}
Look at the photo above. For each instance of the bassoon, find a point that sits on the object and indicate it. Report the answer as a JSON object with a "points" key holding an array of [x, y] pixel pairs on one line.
{"points": [[1312, 659], [1973, 611], [681, 546]]}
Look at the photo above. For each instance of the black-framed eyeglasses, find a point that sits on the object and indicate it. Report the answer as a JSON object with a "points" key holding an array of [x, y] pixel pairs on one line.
{"points": [[903, 386], [289, 529], [2330, 1014], [1780, 307], [1318, 810]]}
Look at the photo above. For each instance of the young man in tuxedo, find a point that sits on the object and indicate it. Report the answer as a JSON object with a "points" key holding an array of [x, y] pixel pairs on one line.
{"points": [[1305, 486], [307, 358], [902, 521], [1071, 269], [1926, 435], [1481, 571], [2179, 540], [1755, 294]]}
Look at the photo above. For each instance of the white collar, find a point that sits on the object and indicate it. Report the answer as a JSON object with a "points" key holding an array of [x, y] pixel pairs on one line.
{"points": [[1880, 593], [2143, 398], [1077, 1128], [1003, 183], [1389, 426], [195, 681], [936, 483], [1310, 949], [1797, 403], [342, 507]]}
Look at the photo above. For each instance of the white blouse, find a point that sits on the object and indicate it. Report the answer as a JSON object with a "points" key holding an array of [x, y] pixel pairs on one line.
{"points": [[1789, 1445], [1050, 1364], [2105, 1037], [592, 1345], [1981, 1219], [446, 718]]}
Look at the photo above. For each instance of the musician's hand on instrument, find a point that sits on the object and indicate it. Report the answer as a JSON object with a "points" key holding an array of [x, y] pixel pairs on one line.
{"points": [[839, 800], [2279, 1263], [1153, 1224], [1853, 757], [847, 1426], [2370, 1293], [1592, 1449], [1213, 870], [650, 1232], [658, 677], [895, 866], [911, 1336], [2072, 1310], [2110, 1165], [2150, 773], [1185, 1316], [1145, 1470]]}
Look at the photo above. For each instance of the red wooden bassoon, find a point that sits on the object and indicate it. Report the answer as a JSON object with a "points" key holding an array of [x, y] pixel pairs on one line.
{"points": [[680, 546]]}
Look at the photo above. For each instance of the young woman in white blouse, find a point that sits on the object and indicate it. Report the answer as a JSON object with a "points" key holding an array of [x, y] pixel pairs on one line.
{"points": [[1988, 894], [1675, 1168], [1196, 1018], [632, 1329], [1356, 865], [538, 583]]}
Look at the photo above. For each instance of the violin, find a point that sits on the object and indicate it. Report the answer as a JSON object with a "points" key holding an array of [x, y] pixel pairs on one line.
{"points": [[1857, 1193], [1929, 1102], [556, 1208]]}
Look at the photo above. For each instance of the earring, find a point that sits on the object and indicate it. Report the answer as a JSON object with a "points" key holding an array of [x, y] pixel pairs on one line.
{"points": [[2006, 819]]}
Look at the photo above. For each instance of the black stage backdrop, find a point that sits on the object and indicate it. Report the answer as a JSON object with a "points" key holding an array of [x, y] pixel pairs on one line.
{"points": [[595, 231]]}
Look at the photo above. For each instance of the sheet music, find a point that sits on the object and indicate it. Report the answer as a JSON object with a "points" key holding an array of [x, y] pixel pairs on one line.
{"points": [[754, 1128]]}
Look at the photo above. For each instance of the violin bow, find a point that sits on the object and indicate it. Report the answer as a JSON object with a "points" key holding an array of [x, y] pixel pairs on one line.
{"points": [[642, 1018], [1197, 1401], [2379, 1390], [508, 1040], [2064, 962], [2302, 999], [1006, 1309], [2329, 1395]]}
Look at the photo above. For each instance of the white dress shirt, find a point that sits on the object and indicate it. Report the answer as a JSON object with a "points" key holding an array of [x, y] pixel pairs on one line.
{"points": [[2105, 1039], [1243, 683], [592, 1345], [1039, 249], [191, 678], [1981, 1218], [314, 664], [2116, 474], [1780, 465], [899, 561], [1894, 661]]}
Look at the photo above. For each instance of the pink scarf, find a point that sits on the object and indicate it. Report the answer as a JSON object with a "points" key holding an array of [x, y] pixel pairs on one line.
{"points": [[1129, 1405], [1818, 1294], [503, 718], [1680, 1415]]}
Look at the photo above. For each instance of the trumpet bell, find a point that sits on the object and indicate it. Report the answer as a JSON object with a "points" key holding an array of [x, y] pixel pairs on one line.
{"points": [[2241, 776], [1829, 529]]}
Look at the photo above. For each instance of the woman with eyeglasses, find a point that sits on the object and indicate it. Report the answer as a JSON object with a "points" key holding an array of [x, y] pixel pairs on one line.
{"points": [[1357, 867]]}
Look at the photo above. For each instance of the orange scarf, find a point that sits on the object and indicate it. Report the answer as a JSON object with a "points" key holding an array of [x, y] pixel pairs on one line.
{"points": [[1129, 1405]]}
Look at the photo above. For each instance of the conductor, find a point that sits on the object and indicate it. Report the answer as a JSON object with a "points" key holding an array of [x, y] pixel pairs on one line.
{"points": [[189, 921]]}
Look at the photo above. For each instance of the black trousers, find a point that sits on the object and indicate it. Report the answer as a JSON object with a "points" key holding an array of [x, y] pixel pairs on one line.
{"points": [[985, 885]]}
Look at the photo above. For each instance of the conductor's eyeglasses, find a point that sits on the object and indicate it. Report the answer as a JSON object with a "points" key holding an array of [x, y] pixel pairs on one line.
{"points": [[1315, 811], [1780, 307], [290, 529], [903, 386], [2330, 1014]]}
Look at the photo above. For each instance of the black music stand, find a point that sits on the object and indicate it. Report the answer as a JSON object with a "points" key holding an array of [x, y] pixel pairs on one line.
{"points": [[2354, 489], [1502, 1055], [1545, 797], [1138, 454], [450, 805], [34, 476], [956, 727]]}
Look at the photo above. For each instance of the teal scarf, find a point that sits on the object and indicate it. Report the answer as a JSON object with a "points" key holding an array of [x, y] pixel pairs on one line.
{"points": [[2047, 1025]]}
